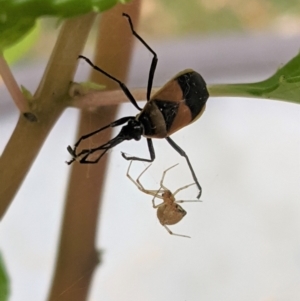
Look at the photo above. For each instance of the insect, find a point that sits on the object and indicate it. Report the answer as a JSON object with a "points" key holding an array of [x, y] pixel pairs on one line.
{"points": [[168, 212], [177, 104]]}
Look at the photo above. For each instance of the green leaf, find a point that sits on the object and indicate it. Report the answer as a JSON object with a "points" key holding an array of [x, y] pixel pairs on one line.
{"points": [[4, 282], [15, 52], [283, 85], [17, 18]]}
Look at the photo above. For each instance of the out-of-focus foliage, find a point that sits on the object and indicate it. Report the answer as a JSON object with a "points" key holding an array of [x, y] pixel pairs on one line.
{"points": [[4, 283], [174, 17], [16, 51], [17, 18]]}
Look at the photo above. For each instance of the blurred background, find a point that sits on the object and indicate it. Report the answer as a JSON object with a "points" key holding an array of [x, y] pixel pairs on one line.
{"points": [[245, 235]]}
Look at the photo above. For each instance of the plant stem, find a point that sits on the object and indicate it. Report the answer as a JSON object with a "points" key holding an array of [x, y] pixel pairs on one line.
{"points": [[249, 90], [49, 102], [95, 99], [78, 258]]}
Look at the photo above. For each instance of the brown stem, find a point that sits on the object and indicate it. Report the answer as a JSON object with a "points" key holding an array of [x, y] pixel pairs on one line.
{"points": [[94, 99], [77, 256], [28, 138]]}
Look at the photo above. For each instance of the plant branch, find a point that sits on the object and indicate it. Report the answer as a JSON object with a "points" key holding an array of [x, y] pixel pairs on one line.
{"points": [[13, 88], [254, 90], [94, 98], [48, 103], [78, 257]]}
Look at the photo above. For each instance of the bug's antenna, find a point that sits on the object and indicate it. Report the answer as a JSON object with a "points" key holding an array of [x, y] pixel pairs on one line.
{"points": [[72, 151], [85, 153], [128, 132]]}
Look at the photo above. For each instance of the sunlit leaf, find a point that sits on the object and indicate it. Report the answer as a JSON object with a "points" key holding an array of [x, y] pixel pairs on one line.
{"points": [[283, 85], [15, 52]]}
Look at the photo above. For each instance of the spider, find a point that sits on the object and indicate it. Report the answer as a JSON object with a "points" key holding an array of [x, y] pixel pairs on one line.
{"points": [[168, 212]]}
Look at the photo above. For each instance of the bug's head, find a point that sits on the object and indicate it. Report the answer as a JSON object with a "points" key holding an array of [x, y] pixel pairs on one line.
{"points": [[133, 130]]}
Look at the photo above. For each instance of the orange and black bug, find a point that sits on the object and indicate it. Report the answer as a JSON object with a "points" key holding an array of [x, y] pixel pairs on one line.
{"points": [[177, 104]]}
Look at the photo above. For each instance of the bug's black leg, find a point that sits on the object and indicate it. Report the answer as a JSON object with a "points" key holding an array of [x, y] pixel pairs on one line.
{"points": [[182, 153], [84, 160], [85, 153], [154, 60], [151, 151], [122, 85], [113, 124]]}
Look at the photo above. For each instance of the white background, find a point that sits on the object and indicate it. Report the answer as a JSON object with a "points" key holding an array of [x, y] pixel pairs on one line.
{"points": [[245, 241]]}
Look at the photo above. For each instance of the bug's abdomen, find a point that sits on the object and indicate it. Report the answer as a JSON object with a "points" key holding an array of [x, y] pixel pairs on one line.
{"points": [[153, 121], [181, 100], [194, 91]]}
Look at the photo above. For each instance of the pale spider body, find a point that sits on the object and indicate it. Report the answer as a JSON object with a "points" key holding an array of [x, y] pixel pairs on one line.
{"points": [[169, 212]]}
